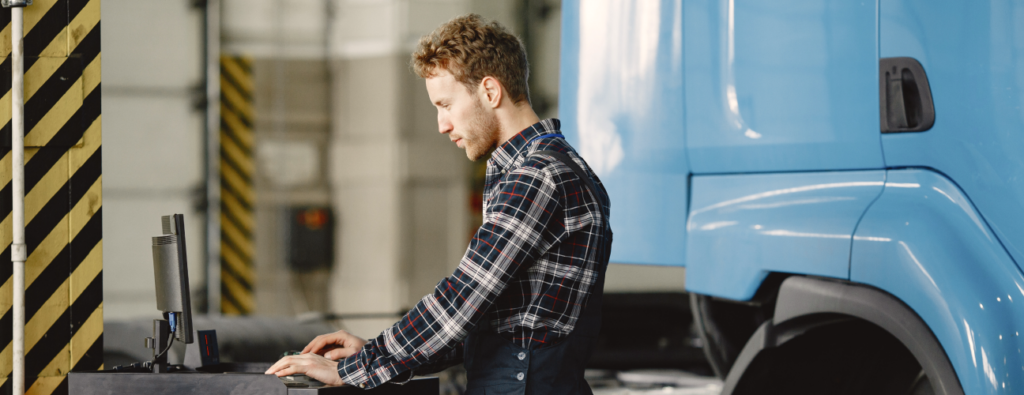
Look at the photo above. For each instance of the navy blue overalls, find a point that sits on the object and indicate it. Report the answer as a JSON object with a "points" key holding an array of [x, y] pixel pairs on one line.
{"points": [[495, 365]]}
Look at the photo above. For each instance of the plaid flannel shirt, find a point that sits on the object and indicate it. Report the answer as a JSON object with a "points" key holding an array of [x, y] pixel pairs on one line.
{"points": [[529, 269]]}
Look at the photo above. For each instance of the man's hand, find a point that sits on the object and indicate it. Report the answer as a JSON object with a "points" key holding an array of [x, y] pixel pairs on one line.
{"points": [[312, 365], [335, 346]]}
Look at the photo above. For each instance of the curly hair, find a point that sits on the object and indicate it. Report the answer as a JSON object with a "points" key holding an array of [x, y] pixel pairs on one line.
{"points": [[471, 48]]}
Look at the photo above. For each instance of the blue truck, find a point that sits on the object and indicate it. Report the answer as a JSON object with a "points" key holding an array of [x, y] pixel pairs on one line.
{"points": [[843, 180]]}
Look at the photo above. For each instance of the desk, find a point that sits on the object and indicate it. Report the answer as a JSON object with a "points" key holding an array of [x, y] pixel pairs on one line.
{"points": [[110, 383]]}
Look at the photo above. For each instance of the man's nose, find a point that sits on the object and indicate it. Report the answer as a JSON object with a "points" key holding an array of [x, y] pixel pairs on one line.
{"points": [[444, 127]]}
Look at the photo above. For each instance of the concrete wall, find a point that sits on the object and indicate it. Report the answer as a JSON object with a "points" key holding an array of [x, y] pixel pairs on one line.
{"points": [[334, 75], [152, 143], [405, 186]]}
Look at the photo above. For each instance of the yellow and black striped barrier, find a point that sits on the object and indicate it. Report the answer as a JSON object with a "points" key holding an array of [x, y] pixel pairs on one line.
{"points": [[236, 192], [63, 202]]}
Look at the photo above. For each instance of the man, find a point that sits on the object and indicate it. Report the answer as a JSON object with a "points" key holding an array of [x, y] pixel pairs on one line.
{"points": [[522, 310]]}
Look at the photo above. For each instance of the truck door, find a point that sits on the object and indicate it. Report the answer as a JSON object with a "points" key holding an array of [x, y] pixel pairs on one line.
{"points": [[781, 85]]}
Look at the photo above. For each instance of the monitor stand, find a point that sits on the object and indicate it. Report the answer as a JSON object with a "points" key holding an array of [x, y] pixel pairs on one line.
{"points": [[161, 332]]}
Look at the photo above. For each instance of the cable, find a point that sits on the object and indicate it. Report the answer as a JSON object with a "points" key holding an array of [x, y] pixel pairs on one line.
{"points": [[169, 343], [173, 318]]}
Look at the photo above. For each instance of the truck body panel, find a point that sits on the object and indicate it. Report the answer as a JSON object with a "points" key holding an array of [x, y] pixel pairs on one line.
{"points": [[744, 226], [621, 100]]}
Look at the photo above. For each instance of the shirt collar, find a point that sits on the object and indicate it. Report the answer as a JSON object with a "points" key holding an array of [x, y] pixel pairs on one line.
{"points": [[506, 154]]}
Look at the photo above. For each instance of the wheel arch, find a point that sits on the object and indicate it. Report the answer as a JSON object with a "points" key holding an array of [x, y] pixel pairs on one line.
{"points": [[924, 243], [806, 303]]}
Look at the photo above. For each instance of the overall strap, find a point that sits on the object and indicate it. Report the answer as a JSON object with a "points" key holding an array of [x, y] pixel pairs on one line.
{"points": [[575, 168]]}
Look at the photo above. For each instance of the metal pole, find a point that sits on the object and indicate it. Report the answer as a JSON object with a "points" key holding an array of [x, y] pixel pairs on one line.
{"points": [[213, 157], [19, 252]]}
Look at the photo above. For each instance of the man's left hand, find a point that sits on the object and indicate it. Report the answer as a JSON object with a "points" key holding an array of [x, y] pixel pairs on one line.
{"points": [[312, 365]]}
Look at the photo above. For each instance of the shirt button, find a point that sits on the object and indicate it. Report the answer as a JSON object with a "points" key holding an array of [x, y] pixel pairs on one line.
{"points": [[521, 356], [362, 385], [520, 376]]}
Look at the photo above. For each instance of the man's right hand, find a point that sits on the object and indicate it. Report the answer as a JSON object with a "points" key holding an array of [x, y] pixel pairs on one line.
{"points": [[335, 346]]}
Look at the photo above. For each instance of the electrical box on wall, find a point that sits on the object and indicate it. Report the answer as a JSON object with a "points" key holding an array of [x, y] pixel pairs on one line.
{"points": [[311, 238]]}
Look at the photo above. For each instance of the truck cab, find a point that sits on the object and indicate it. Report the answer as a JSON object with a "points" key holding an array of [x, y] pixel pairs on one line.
{"points": [[843, 181]]}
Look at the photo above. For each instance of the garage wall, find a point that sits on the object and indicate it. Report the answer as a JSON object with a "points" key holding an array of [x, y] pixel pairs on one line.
{"points": [[152, 162]]}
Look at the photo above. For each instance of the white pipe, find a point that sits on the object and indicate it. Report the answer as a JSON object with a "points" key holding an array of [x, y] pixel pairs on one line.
{"points": [[19, 251], [213, 157]]}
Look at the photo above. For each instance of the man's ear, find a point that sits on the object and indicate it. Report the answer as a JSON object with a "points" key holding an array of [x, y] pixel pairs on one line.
{"points": [[492, 91]]}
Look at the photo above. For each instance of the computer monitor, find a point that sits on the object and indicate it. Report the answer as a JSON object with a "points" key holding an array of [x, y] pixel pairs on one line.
{"points": [[170, 269]]}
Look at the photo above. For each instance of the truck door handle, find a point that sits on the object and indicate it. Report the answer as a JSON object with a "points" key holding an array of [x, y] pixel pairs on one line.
{"points": [[904, 96]]}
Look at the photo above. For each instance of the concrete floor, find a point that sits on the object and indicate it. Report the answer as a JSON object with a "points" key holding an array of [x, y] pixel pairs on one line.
{"points": [[674, 382], [709, 390]]}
